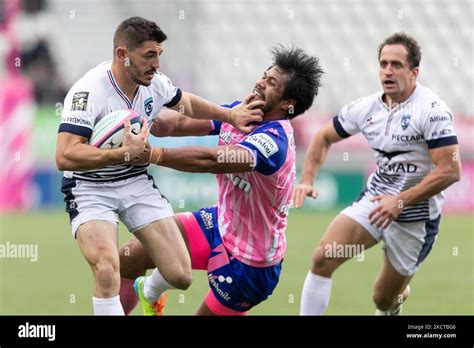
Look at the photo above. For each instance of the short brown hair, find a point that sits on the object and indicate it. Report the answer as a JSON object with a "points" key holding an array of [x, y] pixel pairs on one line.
{"points": [[413, 49], [136, 30]]}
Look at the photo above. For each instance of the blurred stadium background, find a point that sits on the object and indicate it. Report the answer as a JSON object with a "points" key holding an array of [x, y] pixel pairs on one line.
{"points": [[217, 49]]}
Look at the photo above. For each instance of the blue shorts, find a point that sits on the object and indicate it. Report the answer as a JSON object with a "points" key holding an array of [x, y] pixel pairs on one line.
{"points": [[235, 286]]}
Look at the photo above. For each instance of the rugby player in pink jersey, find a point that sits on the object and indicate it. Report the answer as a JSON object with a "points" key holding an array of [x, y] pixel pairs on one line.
{"points": [[240, 241]]}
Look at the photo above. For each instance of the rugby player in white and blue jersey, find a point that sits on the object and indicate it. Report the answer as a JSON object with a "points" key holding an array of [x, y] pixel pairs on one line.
{"points": [[411, 131], [100, 184]]}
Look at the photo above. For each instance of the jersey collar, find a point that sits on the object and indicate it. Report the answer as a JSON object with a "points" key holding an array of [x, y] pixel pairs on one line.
{"points": [[119, 91], [402, 104]]}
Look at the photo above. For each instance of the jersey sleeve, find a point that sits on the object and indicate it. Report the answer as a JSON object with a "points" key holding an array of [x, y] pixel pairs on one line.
{"points": [[269, 145], [345, 122], [172, 94], [438, 128], [79, 112], [216, 127]]}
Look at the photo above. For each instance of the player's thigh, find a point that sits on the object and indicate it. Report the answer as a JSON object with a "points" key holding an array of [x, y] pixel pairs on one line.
{"points": [[346, 234], [165, 245], [390, 284], [97, 240], [352, 226], [182, 230], [345, 230], [134, 259]]}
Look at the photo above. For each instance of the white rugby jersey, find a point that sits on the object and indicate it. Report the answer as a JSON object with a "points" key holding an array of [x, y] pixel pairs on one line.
{"points": [[97, 94], [401, 138]]}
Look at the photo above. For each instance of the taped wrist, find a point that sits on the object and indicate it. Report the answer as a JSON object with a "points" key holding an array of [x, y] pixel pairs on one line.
{"points": [[156, 156]]}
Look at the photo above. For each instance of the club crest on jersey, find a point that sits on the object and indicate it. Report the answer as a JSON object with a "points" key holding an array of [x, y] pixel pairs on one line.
{"points": [[149, 106], [405, 121]]}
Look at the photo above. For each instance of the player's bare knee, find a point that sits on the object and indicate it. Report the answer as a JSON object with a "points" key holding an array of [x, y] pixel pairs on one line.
{"points": [[382, 301], [106, 273], [183, 274], [323, 264], [180, 280], [185, 280]]}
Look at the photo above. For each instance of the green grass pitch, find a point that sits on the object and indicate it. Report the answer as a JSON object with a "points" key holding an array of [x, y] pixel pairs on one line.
{"points": [[60, 281]]}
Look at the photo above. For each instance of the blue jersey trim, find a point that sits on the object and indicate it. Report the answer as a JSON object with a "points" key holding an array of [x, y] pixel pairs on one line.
{"points": [[76, 130], [175, 99], [231, 105], [339, 129], [431, 228], [435, 143], [128, 175], [217, 127], [67, 185]]}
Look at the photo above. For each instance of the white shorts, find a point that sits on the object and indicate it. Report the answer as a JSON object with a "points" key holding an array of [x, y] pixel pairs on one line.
{"points": [[136, 201], [406, 243]]}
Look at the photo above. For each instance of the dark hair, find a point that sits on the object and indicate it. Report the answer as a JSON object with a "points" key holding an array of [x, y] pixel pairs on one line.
{"points": [[136, 30], [413, 49], [304, 75]]}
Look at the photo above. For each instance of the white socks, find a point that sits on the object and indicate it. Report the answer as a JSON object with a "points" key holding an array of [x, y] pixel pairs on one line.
{"points": [[107, 306], [155, 285], [316, 293]]}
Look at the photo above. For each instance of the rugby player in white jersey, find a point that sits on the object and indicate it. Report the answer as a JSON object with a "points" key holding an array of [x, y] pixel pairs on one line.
{"points": [[99, 184], [411, 131]]}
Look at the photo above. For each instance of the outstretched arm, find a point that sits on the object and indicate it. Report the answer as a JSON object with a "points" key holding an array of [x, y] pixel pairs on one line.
{"points": [[265, 151], [240, 116], [175, 124], [314, 158], [202, 159]]}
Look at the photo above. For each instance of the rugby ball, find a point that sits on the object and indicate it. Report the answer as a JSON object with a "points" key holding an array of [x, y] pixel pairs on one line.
{"points": [[109, 131]]}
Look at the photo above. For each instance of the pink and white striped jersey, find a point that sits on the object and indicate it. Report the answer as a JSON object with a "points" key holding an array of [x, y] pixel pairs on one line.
{"points": [[253, 206]]}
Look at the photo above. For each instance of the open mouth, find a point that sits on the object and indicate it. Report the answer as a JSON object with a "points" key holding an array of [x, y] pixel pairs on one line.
{"points": [[258, 94], [389, 83]]}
